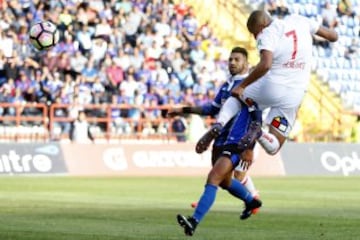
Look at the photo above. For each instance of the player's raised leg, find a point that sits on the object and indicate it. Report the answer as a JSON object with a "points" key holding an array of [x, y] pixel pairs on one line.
{"points": [[230, 108]]}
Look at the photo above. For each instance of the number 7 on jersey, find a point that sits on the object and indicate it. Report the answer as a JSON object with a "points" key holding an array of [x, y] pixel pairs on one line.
{"points": [[293, 35]]}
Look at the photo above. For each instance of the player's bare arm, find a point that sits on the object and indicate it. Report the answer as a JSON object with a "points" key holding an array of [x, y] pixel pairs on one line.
{"points": [[328, 34], [258, 71], [178, 111]]}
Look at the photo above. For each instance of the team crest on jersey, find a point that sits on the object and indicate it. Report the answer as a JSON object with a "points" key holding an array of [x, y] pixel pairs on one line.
{"points": [[280, 123]]}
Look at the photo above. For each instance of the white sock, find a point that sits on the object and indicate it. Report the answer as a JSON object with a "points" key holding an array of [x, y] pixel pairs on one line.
{"points": [[228, 110], [249, 184], [269, 142]]}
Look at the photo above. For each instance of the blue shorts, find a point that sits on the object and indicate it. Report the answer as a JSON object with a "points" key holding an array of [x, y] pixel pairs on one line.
{"points": [[226, 143], [235, 129]]}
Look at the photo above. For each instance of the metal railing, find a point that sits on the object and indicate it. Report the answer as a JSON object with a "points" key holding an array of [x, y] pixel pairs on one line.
{"points": [[23, 122]]}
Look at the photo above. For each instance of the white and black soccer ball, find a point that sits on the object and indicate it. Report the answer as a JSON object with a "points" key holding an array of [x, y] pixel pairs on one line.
{"points": [[44, 35]]}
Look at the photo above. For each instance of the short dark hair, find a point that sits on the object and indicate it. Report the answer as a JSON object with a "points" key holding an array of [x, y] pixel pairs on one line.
{"points": [[241, 50]]}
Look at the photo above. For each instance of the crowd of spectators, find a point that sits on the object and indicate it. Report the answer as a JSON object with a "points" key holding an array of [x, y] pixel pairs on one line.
{"points": [[138, 52], [141, 53]]}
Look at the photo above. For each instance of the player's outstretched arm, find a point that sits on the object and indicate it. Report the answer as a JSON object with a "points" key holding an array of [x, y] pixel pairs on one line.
{"points": [[179, 111], [327, 33]]}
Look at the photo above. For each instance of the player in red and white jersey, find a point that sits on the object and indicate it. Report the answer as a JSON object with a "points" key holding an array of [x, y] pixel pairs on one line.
{"points": [[279, 81]]}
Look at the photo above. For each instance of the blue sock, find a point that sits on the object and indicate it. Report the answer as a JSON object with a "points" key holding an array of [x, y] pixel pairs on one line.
{"points": [[206, 201], [239, 191]]}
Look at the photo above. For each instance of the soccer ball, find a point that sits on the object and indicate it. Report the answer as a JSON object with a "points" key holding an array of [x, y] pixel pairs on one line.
{"points": [[44, 35]]}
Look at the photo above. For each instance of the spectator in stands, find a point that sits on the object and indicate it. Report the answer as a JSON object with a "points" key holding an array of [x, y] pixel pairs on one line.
{"points": [[128, 86], [160, 76], [23, 82], [177, 61], [352, 50], [77, 63], [205, 75], [84, 38], [190, 23], [67, 46], [62, 127], [196, 53], [119, 116], [148, 129], [329, 15], [344, 8], [184, 50], [11, 67], [162, 128], [201, 98], [62, 65], [98, 49], [151, 112], [17, 100], [89, 71], [2, 68], [181, 8], [165, 61], [277, 8], [162, 26], [98, 91], [200, 86], [136, 59], [271, 7], [80, 131], [155, 50], [185, 76], [188, 96], [122, 59], [179, 127], [115, 75], [65, 18], [8, 41], [103, 30], [36, 87], [173, 86], [83, 90]]}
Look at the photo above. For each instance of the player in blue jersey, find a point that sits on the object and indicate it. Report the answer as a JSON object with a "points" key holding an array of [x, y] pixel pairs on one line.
{"points": [[238, 69], [226, 155]]}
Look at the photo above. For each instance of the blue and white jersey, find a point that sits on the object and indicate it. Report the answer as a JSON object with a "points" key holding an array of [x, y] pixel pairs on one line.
{"points": [[221, 96], [235, 129]]}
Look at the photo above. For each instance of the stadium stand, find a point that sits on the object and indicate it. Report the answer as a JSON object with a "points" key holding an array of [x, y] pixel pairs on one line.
{"points": [[123, 62], [119, 62]]}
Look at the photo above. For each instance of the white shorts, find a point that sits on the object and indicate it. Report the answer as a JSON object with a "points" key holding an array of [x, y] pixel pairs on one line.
{"points": [[241, 167], [283, 101]]}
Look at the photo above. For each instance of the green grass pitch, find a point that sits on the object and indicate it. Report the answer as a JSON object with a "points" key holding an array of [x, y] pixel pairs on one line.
{"points": [[134, 208]]}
